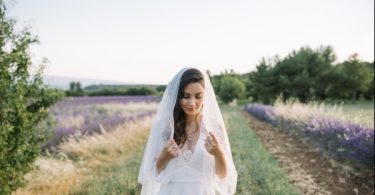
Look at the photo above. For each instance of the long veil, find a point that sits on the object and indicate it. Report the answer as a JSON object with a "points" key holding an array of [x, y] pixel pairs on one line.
{"points": [[163, 128]]}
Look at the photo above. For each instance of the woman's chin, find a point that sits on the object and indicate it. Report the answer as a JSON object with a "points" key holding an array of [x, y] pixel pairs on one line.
{"points": [[192, 113]]}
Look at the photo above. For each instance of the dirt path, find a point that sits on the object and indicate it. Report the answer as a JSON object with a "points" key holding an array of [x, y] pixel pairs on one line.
{"points": [[306, 169]]}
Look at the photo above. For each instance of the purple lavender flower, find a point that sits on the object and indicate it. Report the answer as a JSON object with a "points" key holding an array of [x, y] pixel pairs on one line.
{"points": [[341, 140], [82, 115]]}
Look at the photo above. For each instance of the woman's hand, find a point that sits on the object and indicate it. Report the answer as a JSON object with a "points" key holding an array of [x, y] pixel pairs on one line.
{"points": [[213, 146], [169, 152]]}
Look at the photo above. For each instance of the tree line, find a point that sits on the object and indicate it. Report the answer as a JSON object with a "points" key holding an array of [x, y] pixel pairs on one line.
{"points": [[305, 74], [75, 89]]}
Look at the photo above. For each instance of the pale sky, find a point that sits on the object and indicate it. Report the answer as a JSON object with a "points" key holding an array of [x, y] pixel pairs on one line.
{"points": [[148, 41]]}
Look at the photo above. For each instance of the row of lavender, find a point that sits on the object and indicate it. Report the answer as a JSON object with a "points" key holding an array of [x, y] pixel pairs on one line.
{"points": [[88, 115], [341, 140]]}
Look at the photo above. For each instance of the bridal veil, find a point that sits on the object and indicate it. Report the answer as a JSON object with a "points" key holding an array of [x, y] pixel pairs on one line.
{"points": [[163, 128]]}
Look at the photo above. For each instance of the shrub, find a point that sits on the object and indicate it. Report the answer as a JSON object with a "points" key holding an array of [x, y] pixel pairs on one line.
{"points": [[24, 101]]}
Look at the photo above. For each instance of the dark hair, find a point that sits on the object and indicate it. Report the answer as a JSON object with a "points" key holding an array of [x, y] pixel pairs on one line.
{"points": [[189, 76]]}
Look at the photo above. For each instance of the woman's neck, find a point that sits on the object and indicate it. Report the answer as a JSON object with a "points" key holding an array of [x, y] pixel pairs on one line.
{"points": [[190, 119]]}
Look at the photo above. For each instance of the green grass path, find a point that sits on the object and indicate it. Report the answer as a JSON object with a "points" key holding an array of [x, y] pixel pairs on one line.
{"points": [[258, 171]]}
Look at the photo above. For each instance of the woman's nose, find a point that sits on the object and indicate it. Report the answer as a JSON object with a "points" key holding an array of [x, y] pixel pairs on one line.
{"points": [[191, 102]]}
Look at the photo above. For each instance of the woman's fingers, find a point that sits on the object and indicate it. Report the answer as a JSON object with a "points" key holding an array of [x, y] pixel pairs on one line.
{"points": [[208, 144], [171, 148], [212, 144], [208, 147], [211, 140], [213, 137], [171, 142]]}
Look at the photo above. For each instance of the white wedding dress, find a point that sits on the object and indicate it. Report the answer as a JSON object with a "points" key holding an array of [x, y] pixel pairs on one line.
{"points": [[184, 175], [187, 174]]}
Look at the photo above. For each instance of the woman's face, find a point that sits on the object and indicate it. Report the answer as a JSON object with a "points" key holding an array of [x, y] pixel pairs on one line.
{"points": [[192, 98]]}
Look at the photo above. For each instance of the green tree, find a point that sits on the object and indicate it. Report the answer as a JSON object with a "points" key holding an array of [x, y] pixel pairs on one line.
{"points": [[334, 87], [161, 88], [357, 77], [72, 87], [369, 94], [261, 83], [75, 89], [24, 102], [216, 79], [326, 57], [231, 88], [309, 74], [300, 73], [79, 89], [141, 91]]}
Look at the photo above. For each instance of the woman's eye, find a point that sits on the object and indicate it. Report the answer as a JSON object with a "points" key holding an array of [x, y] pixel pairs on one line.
{"points": [[187, 97]]}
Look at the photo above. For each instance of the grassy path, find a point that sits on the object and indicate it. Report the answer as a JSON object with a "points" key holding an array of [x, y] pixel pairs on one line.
{"points": [[259, 172]]}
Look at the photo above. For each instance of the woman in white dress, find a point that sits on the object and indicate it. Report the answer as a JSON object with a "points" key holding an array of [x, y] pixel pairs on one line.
{"points": [[188, 151]]}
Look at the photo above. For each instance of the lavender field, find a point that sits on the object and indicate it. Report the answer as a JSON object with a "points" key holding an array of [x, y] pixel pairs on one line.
{"points": [[81, 116], [87, 134], [348, 138]]}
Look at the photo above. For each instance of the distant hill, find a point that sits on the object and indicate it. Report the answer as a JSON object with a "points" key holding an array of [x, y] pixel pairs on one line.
{"points": [[121, 87], [62, 82]]}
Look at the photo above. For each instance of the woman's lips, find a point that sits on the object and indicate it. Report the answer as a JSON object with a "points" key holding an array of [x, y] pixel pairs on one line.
{"points": [[191, 109]]}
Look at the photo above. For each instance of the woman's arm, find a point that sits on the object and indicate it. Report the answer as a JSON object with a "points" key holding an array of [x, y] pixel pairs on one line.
{"points": [[214, 148], [221, 165], [169, 152]]}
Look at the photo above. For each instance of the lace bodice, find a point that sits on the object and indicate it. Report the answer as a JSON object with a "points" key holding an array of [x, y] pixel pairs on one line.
{"points": [[187, 166]]}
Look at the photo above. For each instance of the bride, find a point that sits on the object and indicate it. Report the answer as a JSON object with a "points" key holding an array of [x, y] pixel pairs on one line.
{"points": [[188, 151]]}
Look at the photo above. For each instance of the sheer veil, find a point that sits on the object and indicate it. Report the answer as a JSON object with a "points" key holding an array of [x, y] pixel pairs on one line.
{"points": [[163, 128]]}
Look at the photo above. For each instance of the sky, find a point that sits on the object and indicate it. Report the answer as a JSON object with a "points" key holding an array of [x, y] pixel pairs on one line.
{"points": [[145, 41]]}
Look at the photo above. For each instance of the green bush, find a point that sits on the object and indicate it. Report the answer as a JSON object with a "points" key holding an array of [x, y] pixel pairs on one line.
{"points": [[24, 101], [231, 88]]}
